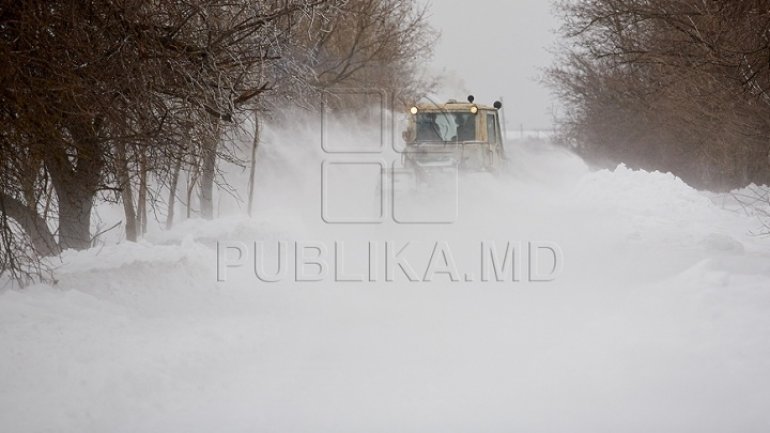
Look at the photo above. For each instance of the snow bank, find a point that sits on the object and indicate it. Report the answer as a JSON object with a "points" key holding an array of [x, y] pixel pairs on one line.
{"points": [[661, 208], [645, 193]]}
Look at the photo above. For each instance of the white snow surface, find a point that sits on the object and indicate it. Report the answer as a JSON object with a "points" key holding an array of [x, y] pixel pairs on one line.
{"points": [[660, 321]]}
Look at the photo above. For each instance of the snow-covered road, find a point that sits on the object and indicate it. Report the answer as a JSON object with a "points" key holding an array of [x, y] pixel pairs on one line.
{"points": [[658, 323]]}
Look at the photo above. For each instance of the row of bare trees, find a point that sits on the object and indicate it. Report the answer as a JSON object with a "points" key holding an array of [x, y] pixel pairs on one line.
{"points": [[118, 100], [673, 85]]}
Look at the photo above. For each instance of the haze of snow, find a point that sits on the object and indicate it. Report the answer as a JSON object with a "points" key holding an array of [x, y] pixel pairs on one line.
{"points": [[658, 323]]}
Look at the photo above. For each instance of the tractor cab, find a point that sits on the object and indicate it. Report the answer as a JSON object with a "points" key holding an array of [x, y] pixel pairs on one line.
{"points": [[463, 135]]}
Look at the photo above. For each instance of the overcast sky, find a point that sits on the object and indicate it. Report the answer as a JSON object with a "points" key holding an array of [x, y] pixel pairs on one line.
{"points": [[495, 48]]}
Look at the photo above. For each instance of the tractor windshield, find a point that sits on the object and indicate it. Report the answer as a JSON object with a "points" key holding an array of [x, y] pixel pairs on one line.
{"points": [[446, 126]]}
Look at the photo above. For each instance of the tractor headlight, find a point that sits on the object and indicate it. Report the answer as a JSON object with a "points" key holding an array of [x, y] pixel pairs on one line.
{"points": [[414, 110], [474, 109]]}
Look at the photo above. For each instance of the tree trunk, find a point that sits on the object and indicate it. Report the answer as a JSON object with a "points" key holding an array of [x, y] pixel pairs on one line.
{"points": [[142, 205], [208, 172], [252, 172], [75, 206], [126, 194], [34, 225], [192, 179], [76, 181], [172, 193]]}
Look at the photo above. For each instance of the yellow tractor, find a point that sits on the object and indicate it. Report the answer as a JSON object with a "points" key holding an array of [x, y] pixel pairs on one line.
{"points": [[458, 135]]}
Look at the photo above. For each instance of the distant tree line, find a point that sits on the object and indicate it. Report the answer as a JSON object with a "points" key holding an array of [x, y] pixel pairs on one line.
{"points": [[672, 85], [116, 100]]}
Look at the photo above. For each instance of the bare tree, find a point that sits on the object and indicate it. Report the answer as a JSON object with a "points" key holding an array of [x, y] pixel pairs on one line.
{"points": [[675, 85], [120, 99], [89, 90]]}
